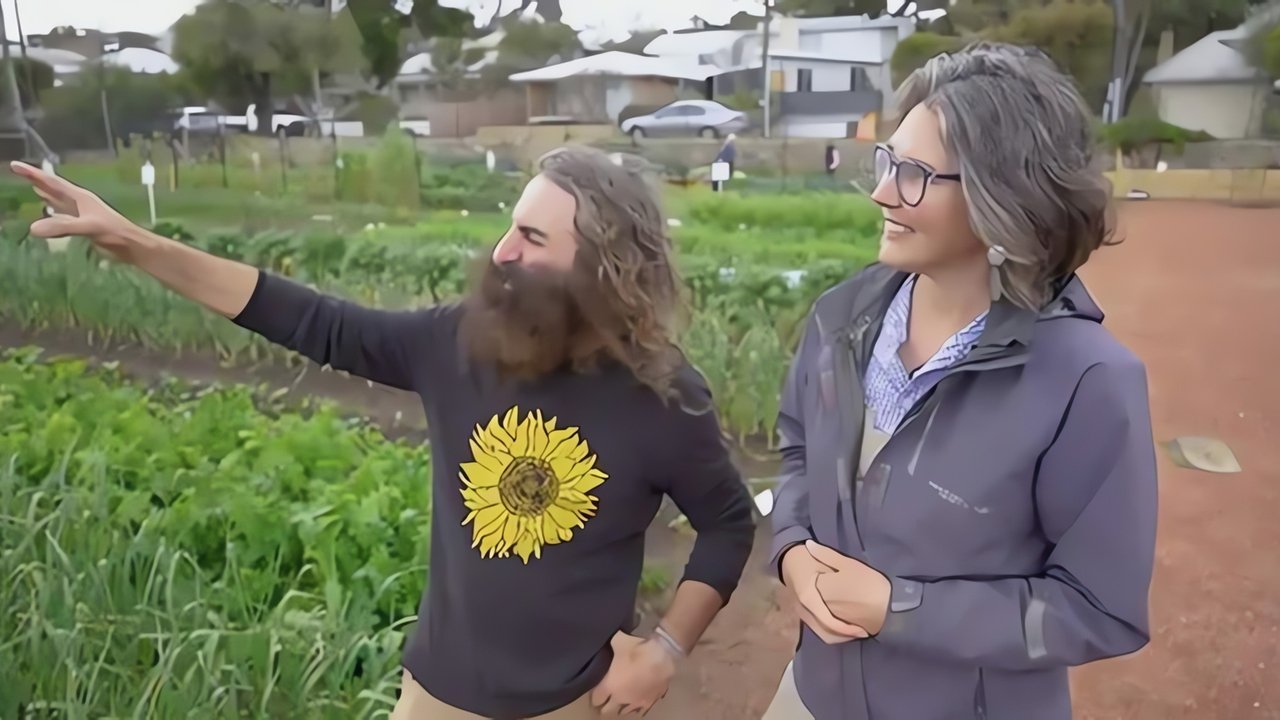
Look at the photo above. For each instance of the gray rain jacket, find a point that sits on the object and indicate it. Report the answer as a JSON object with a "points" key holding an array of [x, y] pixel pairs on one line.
{"points": [[1014, 510]]}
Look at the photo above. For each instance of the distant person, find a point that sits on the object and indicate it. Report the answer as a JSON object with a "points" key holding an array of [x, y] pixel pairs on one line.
{"points": [[831, 160], [969, 503], [728, 154], [560, 411]]}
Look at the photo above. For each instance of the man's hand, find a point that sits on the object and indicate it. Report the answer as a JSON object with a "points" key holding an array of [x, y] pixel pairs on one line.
{"points": [[638, 678], [853, 591], [801, 572], [76, 212]]}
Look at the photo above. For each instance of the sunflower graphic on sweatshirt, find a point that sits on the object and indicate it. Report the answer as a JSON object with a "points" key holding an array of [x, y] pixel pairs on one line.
{"points": [[528, 485]]}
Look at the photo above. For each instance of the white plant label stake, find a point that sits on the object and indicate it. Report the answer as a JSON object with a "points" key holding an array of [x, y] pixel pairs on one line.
{"points": [[47, 166], [149, 180]]}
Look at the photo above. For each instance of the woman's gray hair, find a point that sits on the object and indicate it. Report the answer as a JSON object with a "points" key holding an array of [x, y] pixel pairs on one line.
{"points": [[1023, 136]]}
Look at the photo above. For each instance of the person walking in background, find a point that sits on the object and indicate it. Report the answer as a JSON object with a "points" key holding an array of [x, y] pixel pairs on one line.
{"points": [[831, 161], [560, 412], [969, 506], [729, 155]]}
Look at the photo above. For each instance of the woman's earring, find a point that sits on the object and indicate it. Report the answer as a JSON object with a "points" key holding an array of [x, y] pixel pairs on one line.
{"points": [[995, 258]]}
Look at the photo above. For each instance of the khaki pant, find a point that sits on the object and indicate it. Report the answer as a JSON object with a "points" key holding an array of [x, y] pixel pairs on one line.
{"points": [[416, 704], [786, 703]]}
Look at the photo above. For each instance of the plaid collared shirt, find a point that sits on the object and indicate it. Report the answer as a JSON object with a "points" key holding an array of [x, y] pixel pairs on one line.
{"points": [[891, 390]]}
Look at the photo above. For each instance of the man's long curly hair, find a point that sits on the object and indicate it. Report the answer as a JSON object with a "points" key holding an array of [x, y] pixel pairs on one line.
{"points": [[623, 243]]}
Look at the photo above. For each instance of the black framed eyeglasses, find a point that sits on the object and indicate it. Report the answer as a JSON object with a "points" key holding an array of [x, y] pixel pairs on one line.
{"points": [[911, 177]]}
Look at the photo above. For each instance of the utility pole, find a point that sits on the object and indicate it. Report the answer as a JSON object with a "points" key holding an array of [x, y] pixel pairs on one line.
{"points": [[766, 65], [315, 79], [13, 123]]}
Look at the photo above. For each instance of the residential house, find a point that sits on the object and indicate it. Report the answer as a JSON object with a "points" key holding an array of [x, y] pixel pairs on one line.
{"points": [[63, 62], [90, 43], [1212, 86], [597, 88], [828, 73], [449, 97]]}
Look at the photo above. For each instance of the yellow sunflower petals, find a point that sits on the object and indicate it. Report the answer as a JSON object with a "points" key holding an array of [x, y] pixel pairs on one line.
{"points": [[496, 531]]}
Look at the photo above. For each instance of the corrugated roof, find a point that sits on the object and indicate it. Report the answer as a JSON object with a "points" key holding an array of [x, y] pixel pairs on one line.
{"points": [[619, 64], [1210, 59], [54, 57], [706, 42], [852, 55], [141, 60], [852, 22]]}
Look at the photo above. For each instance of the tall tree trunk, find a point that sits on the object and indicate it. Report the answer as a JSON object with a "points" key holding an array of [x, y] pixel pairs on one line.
{"points": [[1131, 18], [263, 109]]}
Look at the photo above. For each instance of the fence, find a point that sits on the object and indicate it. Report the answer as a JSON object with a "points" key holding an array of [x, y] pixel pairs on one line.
{"points": [[1243, 186], [1235, 171]]}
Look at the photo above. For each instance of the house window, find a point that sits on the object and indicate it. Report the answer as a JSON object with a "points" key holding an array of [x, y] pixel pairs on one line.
{"points": [[804, 80], [859, 79]]}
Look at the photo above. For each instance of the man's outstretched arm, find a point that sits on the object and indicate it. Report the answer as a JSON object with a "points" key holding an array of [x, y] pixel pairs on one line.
{"points": [[374, 344]]}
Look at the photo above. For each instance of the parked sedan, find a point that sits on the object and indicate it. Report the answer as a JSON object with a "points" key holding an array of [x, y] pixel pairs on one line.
{"points": [[705, 118]]}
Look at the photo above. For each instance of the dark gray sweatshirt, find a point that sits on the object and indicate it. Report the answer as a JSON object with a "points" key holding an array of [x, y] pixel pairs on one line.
{"points": [[542, 493]]}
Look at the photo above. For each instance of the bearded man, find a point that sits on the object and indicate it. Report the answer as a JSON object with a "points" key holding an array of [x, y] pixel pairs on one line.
{"points": [[560, 412]]}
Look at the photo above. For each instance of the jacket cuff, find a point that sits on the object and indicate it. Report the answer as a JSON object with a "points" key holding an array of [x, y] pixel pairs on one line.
{"points": [[904, 596], [784, 541]]}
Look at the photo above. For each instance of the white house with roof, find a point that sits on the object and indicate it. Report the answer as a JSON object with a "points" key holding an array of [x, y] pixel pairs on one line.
{"points": [[829, 73], [423, 91], [1211, 86], [597, 88]]}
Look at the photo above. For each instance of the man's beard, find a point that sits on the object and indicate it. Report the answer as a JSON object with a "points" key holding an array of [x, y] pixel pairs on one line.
{"points": [[527, 323]]}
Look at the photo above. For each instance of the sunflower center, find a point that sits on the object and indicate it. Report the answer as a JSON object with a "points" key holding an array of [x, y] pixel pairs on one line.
{"points": [[528, 486]]}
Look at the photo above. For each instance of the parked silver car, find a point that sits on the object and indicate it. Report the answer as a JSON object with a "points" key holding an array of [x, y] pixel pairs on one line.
{"points": [[705, 118]]}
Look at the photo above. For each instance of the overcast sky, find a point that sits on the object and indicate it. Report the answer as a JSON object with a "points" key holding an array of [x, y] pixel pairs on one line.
{"points": [[600, 19]]}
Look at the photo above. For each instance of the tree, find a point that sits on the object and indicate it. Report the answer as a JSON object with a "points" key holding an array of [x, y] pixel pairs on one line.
{"points": [[451, 63], [548, 10], [34, 79], [1075, 33], [249, 51], [1130, 18], [1191, 20], [1263, 46], [528, 44], [917, 49], [381, 27], [975, 16], [72, 117]]}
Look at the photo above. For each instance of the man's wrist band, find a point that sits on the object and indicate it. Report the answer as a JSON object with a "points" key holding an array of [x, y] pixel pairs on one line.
{"points": [[669, 643]]}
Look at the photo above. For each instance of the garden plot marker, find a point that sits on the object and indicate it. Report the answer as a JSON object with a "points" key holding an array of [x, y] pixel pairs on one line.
{"points": [[47, 166], [149, 180], [719, 175]]}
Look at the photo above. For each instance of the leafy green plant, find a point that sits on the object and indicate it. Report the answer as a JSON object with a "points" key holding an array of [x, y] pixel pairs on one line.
{"points": [[917, 49], [753, 266], [177, 550], [395, 170], [1135, 134]]}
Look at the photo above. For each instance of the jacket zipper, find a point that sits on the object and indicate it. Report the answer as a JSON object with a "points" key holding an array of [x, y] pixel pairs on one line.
{"points": [[849, 362], [980, 696]]}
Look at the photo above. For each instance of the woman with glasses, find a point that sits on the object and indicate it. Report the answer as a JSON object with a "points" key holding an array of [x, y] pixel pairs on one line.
{"points": [[969, 502]]}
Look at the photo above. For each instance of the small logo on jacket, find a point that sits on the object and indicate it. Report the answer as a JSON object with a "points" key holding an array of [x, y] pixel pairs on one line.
{"points": [[955, 499]]}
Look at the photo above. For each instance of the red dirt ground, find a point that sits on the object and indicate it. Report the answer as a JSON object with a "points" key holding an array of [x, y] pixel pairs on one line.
{"points": [[1195, 292]]}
